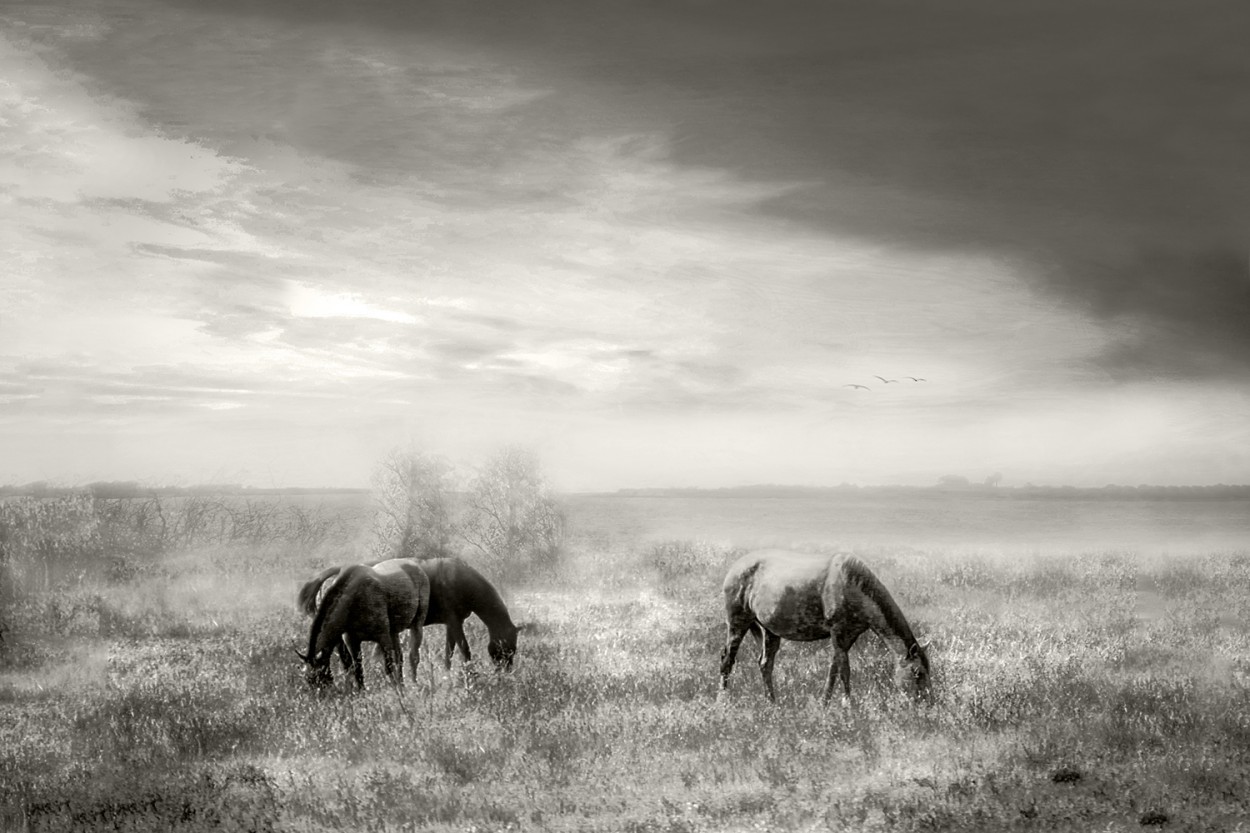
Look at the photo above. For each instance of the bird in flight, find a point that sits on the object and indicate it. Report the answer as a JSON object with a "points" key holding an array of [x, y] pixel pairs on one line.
{"points": [[916, 379], [861, 387], [887, 381]]}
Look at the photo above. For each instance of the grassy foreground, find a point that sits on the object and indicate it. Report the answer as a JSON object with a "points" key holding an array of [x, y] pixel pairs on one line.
{"points": [[1087, 691]]}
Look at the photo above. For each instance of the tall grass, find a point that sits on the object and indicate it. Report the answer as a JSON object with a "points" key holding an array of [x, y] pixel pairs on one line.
{"points": [[78, 566], [1061, 705]]}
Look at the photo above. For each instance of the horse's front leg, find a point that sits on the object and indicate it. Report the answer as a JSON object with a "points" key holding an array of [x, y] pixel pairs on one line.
{"points": [[451, 645], [456, 639], [768, 655], [839, 666], [345, 657]]}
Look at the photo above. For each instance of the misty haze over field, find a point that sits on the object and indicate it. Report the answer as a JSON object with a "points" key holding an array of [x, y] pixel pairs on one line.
{"points": [[663, 244]]}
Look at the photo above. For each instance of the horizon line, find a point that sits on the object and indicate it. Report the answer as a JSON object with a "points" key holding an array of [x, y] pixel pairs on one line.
{"points": [[34, 488]]}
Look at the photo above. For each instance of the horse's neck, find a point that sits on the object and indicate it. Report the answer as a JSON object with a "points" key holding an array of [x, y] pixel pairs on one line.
{"points": [[891, 625], [490, 608], [329, 623], [325, 632]]}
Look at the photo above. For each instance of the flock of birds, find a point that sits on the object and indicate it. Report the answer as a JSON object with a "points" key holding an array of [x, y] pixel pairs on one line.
{"points": [[885, 381]]}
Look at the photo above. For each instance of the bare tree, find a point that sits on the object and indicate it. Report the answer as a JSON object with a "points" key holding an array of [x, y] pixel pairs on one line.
{"points": [[412, 495], [511, 514]]}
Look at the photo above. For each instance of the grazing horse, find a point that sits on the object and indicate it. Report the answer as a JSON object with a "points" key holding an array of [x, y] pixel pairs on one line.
{"points": [[802, 597], [367, 603], [456, 592]]}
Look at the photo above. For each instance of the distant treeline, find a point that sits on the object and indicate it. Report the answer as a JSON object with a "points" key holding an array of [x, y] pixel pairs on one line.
{"points": [[130, 489], [1219, 491]]}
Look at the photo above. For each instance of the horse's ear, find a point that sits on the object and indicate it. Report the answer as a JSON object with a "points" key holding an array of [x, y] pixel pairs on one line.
{"points": [[916, 649], [301, 656]]}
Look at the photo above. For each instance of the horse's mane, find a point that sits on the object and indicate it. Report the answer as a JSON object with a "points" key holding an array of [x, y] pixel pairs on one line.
{"points": [[871, 586], [488, 600]]}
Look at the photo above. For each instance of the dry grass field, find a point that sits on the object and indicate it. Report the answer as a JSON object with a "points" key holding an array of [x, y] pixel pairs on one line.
{"points": [[1079, 687]]}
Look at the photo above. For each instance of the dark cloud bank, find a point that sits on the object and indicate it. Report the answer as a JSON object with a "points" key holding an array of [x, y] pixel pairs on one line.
{"points": [[1104, 144]]}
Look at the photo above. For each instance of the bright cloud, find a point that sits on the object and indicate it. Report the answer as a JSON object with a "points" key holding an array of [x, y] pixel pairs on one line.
{"points": [[62, 145], [311, 302]]}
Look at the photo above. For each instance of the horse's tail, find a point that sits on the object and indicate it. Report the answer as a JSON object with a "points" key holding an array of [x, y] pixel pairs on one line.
{"points": [[306, 599], [737, 582], [329, 604], [422, 584]]}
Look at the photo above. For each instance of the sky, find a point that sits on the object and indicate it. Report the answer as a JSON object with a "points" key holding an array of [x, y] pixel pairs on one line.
{"points": [[265, 242]]}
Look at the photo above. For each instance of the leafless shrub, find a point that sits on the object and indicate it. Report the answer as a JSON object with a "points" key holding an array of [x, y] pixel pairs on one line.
{"points": [[43, 542], [511, 515], [413, 511]]}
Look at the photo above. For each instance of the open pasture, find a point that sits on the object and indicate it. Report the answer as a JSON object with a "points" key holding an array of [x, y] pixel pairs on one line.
{"points": [[1091, 667]]}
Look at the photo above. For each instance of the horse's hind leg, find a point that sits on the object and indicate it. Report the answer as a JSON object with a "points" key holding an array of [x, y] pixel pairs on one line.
{"points": [[414, 650], [358, 666], [736, 631], [393, 656], [768, 655]]}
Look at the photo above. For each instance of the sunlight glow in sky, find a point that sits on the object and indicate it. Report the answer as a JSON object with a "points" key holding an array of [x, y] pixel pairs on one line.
{"points": [[659, 254]]}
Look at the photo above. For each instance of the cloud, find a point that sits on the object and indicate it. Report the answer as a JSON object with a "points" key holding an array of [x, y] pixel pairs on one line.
{"points": [[676, 228], [61, 146], [1107, 153], [1029, 135], [91, 195], [1181, 313], [310, 302]]}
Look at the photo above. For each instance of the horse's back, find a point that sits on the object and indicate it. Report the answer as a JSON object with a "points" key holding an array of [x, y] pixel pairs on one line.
{"points": [[782, 590], [777, 569], [354, 601], [392, 568], [406, 586], [456, 589]]}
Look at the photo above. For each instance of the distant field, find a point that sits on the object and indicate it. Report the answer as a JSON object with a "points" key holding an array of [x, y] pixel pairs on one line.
{"points": [[1091, 658], [923, 521]]}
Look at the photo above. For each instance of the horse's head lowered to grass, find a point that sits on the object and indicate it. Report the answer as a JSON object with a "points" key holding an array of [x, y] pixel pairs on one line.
{"points": [[911, 672], [316, 670], [502, 645]]}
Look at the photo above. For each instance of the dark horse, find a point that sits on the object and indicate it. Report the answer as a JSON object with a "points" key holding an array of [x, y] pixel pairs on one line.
{"points": [[368, 603], [789, 595], [456, 591]]}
